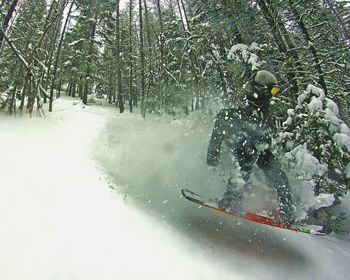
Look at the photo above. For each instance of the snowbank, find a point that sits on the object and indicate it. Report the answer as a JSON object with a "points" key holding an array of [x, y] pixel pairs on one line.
{"points": [[61, 219]]}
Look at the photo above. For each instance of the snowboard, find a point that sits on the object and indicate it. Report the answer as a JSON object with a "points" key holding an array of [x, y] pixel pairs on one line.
{"points": [[254, 217]]}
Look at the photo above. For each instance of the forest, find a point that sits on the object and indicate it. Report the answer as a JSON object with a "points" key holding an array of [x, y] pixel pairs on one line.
{"points": [[182, 56]]}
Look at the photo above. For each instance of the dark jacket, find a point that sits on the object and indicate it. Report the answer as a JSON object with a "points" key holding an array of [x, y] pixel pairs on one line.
{"points": [[244, 130]]}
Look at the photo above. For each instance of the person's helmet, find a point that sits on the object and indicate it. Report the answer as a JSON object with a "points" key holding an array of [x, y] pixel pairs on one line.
{"points": [[266, 83]]}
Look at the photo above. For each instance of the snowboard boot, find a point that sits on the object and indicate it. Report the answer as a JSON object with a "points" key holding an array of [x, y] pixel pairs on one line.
{"points": [[319, 217], [233, 194], [230, 200]]}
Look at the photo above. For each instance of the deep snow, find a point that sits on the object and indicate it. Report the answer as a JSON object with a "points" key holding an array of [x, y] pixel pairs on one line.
{"points": [[88, 193]]}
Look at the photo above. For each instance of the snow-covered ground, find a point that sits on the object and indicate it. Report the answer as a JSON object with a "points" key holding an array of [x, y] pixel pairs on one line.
{"points": [[87, 193]]}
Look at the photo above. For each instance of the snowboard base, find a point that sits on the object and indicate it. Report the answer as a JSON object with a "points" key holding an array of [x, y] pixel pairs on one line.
{"points": [[257, 218]]}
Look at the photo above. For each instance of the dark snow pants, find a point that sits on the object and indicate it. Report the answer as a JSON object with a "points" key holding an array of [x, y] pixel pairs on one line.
{"points": [[247, 154]]}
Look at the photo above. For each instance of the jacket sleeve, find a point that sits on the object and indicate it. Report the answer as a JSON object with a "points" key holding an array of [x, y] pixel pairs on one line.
{"points": [[217, 136]]}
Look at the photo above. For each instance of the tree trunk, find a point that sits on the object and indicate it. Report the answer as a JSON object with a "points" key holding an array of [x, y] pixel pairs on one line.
{"points": [[181, 16], [118, 61], [161, 78], [74, 89], [142, 56], [186, 17], [69, 89], [6, 21], [87, 76], [111, 92], [150, 55], [49, 57], [130, 59], [85, 89], [54, 73], [59, 88]]}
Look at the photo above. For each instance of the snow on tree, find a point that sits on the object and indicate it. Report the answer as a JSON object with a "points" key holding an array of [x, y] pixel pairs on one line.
{"points": [[244, 53], [313, 143], [314, 146]]}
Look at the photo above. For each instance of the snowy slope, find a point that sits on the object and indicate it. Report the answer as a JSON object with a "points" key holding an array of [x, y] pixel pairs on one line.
{"points": [[90, 194]]}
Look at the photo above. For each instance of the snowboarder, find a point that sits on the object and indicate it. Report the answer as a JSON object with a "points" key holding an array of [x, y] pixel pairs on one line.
{"points": [[244, 129]]}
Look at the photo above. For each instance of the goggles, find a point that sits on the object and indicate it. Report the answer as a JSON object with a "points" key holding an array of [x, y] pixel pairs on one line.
{"points": [[274, 90]]}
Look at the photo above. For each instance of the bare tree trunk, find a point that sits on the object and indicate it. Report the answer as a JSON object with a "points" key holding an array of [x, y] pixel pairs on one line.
{"points": [[80, 86], [161, 77], [181, 16], [51, 50], [6, 21], [149, 51], [186, 17], [118, 61], [59, 88], [58, 56], [111, 92], [87, 75], [142, 56], [69, 89], [74, 89], [130, 59]]}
